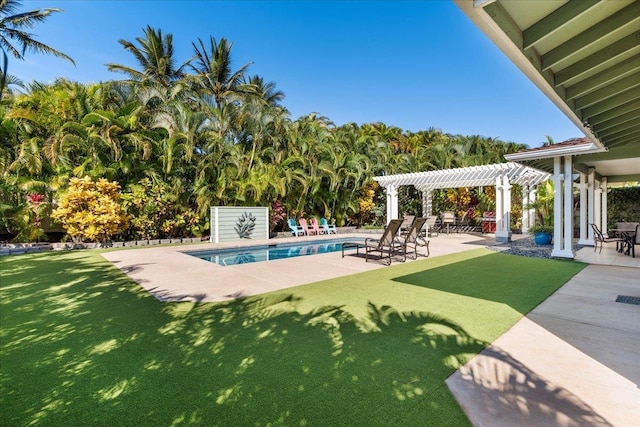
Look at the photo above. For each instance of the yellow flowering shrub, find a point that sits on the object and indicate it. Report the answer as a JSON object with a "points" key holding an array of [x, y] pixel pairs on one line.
{"points": [[366, 202], [91, 211]]}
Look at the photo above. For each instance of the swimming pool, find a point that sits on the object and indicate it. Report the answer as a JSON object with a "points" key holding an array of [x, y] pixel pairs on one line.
{"points": [[249, 254]]}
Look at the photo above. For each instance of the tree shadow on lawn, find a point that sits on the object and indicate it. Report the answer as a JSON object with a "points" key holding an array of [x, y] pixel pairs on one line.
{"points": [[517, 281], [81, 344]]}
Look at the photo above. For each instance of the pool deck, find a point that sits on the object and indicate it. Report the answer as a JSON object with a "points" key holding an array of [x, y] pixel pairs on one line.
{"points": [[572, 361], [171, 275]]}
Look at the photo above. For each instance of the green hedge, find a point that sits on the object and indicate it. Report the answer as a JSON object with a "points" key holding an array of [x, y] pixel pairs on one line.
{"points": [[623, 205]]}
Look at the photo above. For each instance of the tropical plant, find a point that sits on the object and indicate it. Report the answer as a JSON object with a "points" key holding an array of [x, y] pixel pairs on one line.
{"points": [[155, 56], [543, 204], [16, 41], [156, 212], [213, 72], [91, 210]]}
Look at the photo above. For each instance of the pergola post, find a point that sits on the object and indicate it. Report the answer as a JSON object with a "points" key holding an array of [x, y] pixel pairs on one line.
{"points": [[562, 207], [528, 214], [427, 201], [392, 202], [503, 209]]}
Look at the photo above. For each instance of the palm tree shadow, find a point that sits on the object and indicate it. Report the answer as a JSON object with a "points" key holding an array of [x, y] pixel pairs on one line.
{"points": [[500, 385]]}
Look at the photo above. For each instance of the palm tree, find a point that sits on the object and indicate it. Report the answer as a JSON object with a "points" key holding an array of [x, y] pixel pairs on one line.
{"points": [[155, 57], [16, 41], [266, 91], [213, 70]]}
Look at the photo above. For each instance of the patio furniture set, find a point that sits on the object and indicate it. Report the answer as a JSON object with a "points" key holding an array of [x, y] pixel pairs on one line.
{"points": [[626, 235], [398, 239]]}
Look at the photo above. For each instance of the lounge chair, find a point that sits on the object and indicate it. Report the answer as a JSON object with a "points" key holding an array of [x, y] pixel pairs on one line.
{"points": [[308, 231], [386, 244], [313, 223], [432, 225], [413, 239], [328, 228], [406, 223], [296, 230]]}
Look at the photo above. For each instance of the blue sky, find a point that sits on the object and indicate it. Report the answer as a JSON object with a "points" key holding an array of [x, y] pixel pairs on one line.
{"points": [[413, 64]]}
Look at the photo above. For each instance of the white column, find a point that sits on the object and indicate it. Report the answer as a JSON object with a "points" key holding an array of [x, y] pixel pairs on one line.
{"points": [[590, 206], [392, 202], [597, 205], [568, 207], [498, 204], [525, 211], [584, 226], [503, 209], [605, 211], [562, 208], [532, 211]]}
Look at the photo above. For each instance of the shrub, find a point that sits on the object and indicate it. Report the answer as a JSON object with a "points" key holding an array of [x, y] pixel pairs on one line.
{"points": [[91, 211]]}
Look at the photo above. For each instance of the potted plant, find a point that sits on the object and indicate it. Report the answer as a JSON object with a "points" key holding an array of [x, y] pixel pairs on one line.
{"points": [[542, 232]]}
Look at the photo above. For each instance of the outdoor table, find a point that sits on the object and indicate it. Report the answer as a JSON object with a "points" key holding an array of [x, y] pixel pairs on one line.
{"points": [[351, 245], [628, 235]]}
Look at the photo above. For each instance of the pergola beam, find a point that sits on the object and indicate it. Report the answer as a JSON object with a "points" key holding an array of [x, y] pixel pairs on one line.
{"points": [[474, 176]]}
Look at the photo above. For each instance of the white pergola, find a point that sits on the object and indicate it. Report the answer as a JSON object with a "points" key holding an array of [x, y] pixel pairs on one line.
{"points": [[500, 175]]}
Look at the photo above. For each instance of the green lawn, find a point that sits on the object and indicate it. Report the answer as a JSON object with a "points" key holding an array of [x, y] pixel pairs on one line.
{"points": [[81, 344]]}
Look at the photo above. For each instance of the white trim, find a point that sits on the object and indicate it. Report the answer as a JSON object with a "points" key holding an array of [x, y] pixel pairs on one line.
{"points": [[547, 153]]}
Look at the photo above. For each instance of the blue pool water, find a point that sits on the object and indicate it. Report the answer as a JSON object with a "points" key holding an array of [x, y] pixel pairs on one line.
{"points": [[235, 256]]}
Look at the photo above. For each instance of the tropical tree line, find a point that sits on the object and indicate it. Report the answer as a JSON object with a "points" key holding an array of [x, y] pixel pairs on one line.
{"points": [[180, 137]]}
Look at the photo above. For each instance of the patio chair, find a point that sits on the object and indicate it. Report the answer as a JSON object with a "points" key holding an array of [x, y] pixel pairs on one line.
{"points": [[308, 231], [465, 223], [313, 223], [432, 225], [386, 244], [448, 220], [406, 223], [328, 228], [414, 238], [635, 240], [296, 230], [598, 237]]}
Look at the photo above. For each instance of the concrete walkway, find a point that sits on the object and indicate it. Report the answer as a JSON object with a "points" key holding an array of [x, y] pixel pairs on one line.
{"points": [[572, 361]]}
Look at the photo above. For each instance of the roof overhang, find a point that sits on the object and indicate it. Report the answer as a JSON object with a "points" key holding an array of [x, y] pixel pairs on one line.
{"points": [[585, 57]]}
